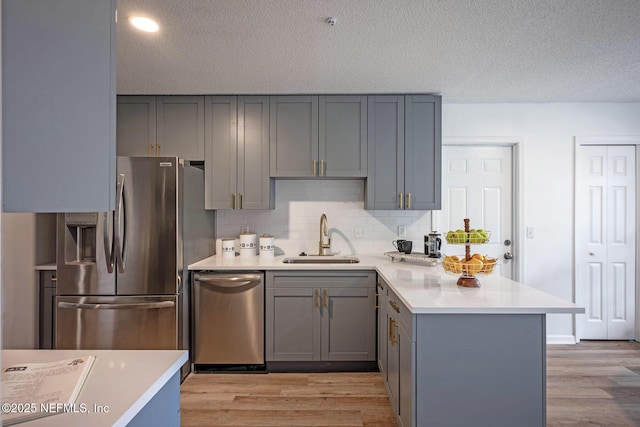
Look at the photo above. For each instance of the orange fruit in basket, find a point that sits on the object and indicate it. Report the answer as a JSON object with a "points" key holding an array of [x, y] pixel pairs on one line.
{"points": [[489, 265], [473, 266], [452, 264]]}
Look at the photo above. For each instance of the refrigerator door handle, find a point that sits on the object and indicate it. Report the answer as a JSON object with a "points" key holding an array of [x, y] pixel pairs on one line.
{"points": [[120, 225], [108, 243], [123, 306]]}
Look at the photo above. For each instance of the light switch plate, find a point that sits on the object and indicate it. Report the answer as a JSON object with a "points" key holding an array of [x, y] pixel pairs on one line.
{"points": [[530, 232], [402, 231]]}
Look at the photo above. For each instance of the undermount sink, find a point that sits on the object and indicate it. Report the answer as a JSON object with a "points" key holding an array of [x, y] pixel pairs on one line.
{"points": [[327, 259]]}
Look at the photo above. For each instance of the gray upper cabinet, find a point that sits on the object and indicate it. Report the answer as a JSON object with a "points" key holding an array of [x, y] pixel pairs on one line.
{"points": [[343, 136], [422, 151], [136, 125], [405, 156], [237, 153], [320, 316], [294, 136], [161, 126], [180, 125], [318, 136], [58, 113]]}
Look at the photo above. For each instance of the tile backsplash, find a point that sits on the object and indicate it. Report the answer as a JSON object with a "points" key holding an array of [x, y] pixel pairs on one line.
{"points": [[295, 221]]}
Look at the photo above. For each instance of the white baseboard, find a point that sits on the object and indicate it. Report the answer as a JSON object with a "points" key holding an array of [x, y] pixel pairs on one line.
{"points": [[561, 339]]}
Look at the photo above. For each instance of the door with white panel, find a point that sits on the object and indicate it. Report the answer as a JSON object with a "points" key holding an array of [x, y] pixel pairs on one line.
{"points": [[605, 238], [477, 183]]}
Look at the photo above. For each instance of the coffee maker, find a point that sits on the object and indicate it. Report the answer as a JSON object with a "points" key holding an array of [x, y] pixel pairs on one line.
{"points": [[432, 244]]}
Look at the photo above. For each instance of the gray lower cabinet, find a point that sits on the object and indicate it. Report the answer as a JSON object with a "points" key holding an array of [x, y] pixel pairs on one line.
{"points": [[320, 316], [58, 105], [457, 369], [318, 136], [397, 352], [160, 126], [405, 152], [237, 153]]}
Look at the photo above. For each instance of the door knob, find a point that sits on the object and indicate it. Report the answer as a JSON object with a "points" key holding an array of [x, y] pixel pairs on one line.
{"points": [[508, 255]]}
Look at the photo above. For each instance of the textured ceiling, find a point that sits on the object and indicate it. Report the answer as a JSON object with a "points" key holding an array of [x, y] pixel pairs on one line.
{"points": [[465, 50]]}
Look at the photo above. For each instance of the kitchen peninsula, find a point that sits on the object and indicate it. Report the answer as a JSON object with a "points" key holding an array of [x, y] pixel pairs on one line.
{"points": [[124, 387], [450, 356]]}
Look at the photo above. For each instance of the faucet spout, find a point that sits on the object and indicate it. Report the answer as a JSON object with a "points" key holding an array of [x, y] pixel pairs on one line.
{"points": [[324, 232]]}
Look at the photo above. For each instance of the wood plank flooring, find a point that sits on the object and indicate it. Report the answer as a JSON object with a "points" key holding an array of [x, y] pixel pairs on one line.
{"points": [[593, 383]]}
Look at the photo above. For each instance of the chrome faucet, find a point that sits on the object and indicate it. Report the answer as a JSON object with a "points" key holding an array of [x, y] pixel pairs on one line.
{"points": [[324, 231]]}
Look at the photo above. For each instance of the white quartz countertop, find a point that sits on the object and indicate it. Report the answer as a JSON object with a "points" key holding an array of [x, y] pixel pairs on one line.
{"points": [[421, 288], [123, 380]]}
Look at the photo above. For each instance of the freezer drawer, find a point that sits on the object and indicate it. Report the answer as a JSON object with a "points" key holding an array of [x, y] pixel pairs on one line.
{"points": [[228, 319], [118, 323]]}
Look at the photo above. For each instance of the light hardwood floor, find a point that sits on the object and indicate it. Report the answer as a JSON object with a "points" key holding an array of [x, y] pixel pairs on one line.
{"points": [[588, 384]]}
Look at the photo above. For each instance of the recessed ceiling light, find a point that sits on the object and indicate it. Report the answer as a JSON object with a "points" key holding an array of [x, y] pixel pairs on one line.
{"points": [[144, 24]]}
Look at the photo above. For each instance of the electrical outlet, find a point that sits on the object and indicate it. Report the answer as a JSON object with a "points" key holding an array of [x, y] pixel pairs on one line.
{"points": [[402, 231], [360, 232]]}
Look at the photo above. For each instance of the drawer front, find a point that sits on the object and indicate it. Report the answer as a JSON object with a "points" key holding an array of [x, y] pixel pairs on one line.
{"points": [[398, 310]]}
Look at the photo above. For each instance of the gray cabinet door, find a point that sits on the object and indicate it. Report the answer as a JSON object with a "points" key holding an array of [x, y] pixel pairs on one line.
{"points": [[385, 179], [237, 153], [181, 127], [220, 152], [405, 152], [393, 363], [406, 375], [292, 324], [254, 187], [422, 151], [136, 125], [58, 105], [293, 136], [343, 136], [383, 331], [320, 316], [348, 328]]}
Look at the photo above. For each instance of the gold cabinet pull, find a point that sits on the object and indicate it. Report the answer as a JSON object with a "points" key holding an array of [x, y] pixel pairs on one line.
{"points": [[54, 279], [408, 200], [240, 197], [324, 298], [315, 299], [315, 167], [392, 331], [321, 167], [401, 200], [395, 306], [233, 200], [157, 150], [150, 149]]}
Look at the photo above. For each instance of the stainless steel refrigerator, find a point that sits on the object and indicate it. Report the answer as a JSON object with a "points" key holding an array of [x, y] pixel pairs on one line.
{"points": [[122, 279]]}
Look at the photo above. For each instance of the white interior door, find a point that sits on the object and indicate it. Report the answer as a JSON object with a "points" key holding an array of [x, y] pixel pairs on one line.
{"points": [[477, 184], [605, 241]]}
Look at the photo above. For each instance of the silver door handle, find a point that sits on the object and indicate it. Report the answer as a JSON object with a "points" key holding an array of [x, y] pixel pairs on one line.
{"points": [[118, 306], [508, 255], [119, 240], [108, 245], [228, 281]]}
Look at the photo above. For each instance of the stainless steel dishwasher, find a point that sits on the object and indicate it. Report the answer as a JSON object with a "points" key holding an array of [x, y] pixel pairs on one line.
{"points": [[228, 321]]}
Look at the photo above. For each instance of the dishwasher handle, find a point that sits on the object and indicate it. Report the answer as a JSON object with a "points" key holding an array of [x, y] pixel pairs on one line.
{"points": [[116, 306], [229, 280]]}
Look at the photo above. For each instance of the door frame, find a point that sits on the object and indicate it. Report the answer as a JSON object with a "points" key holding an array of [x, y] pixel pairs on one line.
{"points": [[580, 141], [517, 189]]}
